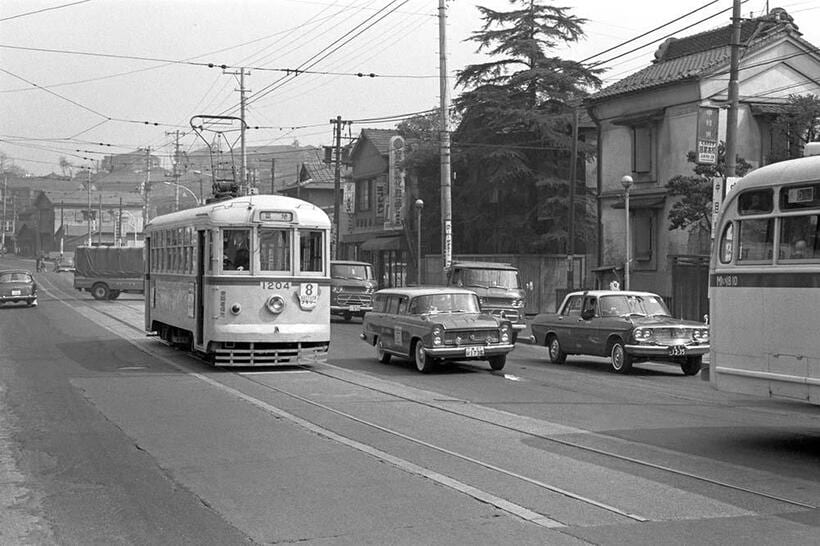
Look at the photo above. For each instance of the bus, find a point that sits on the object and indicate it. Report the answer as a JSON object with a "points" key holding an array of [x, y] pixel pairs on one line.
{"points": [[764, 283], [243, 281]]}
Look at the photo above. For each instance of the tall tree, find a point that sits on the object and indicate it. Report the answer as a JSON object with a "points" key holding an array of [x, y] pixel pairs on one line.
{"points": [[511, 146], [798, 125]]}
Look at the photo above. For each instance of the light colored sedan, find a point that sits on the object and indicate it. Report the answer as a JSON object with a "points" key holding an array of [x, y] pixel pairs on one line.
{"points": [[430, 325]]}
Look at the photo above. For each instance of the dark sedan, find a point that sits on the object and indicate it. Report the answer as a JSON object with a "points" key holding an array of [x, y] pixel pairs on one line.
{"points": [[626, 326], [18, 285]]}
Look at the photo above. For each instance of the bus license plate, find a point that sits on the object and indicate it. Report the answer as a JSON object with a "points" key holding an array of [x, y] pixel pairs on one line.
{"points": [[677, 350], [474, 351]]}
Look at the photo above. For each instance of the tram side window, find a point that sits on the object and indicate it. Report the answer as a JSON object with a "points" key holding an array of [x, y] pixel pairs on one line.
{"points": [[236, 244], [800, 237], [274, 249], [311, 251], [756, 238]]}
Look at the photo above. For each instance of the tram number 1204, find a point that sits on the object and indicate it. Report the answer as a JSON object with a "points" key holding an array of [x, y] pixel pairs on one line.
{"points": [[274, 285]]}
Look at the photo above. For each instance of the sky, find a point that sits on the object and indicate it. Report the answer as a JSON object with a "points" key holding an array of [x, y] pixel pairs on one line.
{"points": [[81, 79]]}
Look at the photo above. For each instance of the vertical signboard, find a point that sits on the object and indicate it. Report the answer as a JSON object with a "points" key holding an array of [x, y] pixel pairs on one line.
{"points": [[395, 182], [707, 135]]}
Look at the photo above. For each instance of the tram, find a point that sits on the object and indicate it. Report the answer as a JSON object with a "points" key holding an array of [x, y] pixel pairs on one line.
{"points": [[764, 283], [243, 281]]}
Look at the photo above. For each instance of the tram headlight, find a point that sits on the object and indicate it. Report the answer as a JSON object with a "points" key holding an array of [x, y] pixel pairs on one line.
{"points": [[275, 304], [236, 308]]}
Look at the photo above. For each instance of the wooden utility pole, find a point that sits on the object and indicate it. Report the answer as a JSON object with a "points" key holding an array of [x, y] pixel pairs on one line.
{"points": [[573, 163], [176, 174], [446, 195], [731, 115]]}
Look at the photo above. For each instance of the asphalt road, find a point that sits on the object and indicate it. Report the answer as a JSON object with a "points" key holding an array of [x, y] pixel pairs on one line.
{"points": [[110, 437]]}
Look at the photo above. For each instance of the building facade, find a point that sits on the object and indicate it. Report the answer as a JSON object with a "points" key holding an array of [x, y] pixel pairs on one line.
{"points": [[649, 121]]}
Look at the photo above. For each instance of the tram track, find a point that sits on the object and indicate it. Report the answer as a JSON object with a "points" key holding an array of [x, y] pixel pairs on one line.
{"points": [[508, 506]]}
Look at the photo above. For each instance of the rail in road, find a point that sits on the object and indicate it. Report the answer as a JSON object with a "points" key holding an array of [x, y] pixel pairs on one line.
{"points": [[540, 472]]}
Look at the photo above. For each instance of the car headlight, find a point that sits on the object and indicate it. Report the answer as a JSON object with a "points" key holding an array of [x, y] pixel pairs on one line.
{"points": [[505, 333], [642, 334], [481, 301], [701, 335], [438, 335], [337, 289]]}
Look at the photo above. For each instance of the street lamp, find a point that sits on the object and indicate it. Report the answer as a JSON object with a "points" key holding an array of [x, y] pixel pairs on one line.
{"points": [[419, 206], [626, 182]]}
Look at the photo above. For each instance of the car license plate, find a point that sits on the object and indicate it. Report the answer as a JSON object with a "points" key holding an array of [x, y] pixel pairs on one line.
{"points": [[677, 350], [15, 292], [355, 308], [474, 351]]}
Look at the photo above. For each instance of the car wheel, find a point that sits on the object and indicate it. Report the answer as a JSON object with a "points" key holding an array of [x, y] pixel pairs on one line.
{"points": [[347, 316], [424, 362], [619, 359], [113, 294], [32, 303], [100, 291], [691, 365], [383, 356], [557, 355], [497, 362], [514, 337]]}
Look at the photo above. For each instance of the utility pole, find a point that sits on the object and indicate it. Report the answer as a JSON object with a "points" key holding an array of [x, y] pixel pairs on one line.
{"points": [[5, 191], [243, 179], [273, 176], [573, 164], [88, 191], [446, 195], [146, 188], [337, 182], [176, 174], [731, 115]]}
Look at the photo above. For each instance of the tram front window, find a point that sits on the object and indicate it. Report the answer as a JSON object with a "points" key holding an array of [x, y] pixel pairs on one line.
{"points": [[236, 244], [274, 249]]}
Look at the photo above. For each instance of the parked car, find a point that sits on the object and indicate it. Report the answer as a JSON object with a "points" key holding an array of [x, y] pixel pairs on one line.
{"points": [[18, 285], [626, 326], [428, 325]]}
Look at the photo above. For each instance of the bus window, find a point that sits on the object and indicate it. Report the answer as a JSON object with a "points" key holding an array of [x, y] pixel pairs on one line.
{"points": [[800, 197], [274, 249], [799, 237], [727, 243], [310, 251], [236, 249], [756, 239], [755, 202]]}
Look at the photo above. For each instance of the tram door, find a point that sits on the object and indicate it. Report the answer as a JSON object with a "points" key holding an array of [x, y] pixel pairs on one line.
{"points": [[201, 250]]}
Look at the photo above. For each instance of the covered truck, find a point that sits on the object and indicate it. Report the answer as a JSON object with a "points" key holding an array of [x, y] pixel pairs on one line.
{"points": [[107, 271]]}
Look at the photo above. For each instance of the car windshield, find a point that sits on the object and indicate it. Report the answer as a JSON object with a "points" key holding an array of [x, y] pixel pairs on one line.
{"points": [[445, 303], [489, 278], [356, 272], [625, 305], [15, 277]]}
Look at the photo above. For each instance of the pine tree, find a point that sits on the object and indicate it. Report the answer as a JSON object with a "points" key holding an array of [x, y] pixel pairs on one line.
{"points": [[511, 147]]}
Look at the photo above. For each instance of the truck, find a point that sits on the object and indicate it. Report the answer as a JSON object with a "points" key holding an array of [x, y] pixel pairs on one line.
{"points": [[498, 287], [107, 271], [352, 284]]}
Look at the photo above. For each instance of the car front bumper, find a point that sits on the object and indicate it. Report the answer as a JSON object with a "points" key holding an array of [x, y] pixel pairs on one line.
{"points": [[666, 350], [461, 351]]}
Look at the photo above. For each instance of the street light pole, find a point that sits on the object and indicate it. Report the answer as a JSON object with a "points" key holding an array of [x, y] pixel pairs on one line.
{"points": [[419, 206], [626, 181]]}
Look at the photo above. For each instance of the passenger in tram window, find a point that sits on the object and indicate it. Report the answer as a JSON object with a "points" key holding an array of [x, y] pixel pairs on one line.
{"points": [[799, 250], [242, 260]]}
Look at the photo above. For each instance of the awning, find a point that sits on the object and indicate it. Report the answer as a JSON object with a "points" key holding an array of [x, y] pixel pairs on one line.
{"points": [[382, 243], [642, 202]]}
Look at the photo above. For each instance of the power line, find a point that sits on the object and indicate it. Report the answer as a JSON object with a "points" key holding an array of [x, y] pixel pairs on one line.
{"points": [[42, 10]]}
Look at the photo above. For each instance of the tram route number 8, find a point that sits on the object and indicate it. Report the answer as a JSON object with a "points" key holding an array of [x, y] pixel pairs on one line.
{"points": [[308, 295]]}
